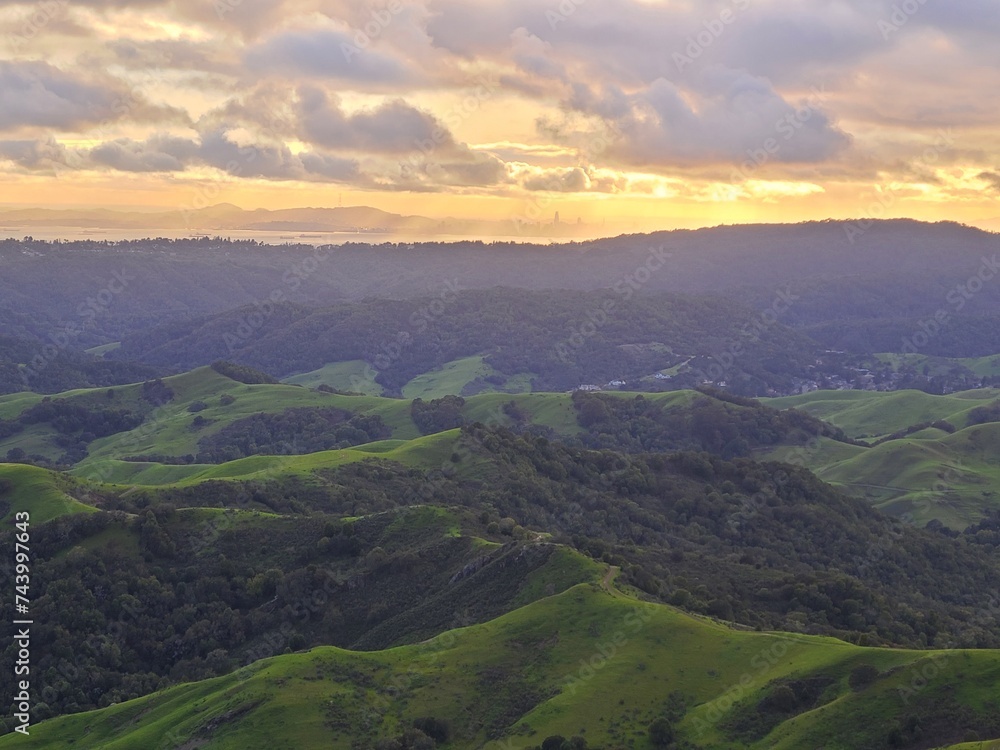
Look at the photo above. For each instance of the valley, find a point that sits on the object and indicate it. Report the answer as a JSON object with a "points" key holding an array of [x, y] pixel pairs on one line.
{"points": [[464, 519]]}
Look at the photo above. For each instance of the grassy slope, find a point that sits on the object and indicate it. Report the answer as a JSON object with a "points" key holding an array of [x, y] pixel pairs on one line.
{"points": [[428, 452], [37, 491], [169, 430], [453, 376], [929, 474], [480, 678], [553, 410], [861, 413], [355, 375], [450, 378], [953, 478], [982, 366]]}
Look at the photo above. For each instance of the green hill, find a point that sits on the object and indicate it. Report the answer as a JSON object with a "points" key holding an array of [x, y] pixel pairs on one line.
{"points": [[40, 492], [205, 406], [946, 472], [428, 452], [354, 376], [928, 475], [875, 414], [589, 662], [953, 478]]}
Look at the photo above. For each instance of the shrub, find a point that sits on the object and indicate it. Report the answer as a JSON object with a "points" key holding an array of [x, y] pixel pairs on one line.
{"points": [[661, 732], [862, 676]]}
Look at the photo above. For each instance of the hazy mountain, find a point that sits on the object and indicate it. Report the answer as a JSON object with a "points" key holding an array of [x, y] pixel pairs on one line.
{"points": [[225, 217]]}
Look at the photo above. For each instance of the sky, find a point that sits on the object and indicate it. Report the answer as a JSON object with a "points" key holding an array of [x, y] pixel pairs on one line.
{"points": [[652, 113]]}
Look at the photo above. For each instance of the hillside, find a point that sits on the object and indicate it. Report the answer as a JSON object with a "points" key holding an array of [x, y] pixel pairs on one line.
{"points": [[548, 668], [42, 492], [500, 339], [926, 462], [706, 260], [866, 414], [192, 593], [205, 417]]}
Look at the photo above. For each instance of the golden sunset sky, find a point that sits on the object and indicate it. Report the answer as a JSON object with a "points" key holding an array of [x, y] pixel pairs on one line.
{"points": [[662, 114]]}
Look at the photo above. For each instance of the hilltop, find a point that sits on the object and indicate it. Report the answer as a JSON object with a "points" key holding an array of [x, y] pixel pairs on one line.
{"points": [[548, 668], [917, 456]]}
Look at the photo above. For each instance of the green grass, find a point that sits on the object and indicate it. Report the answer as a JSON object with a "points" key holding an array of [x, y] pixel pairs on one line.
{"points": [[169, 430], [930, 474], [598, 663], [37, 491], [871, 414], [452, 377], [430, 452], [355, 376], [13, 404], [36, 439], [448, 379], [982, 366], [954, 478]]}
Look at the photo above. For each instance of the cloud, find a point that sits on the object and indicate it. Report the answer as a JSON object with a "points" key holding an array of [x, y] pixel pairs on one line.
{"points": [[391, 127], [728, 117], [165, 153], [324, 54], [36, 94], [33, 154], [568, 181], [172, 54], [130, 156], [39, 95], [299, 90], [992, 179]]}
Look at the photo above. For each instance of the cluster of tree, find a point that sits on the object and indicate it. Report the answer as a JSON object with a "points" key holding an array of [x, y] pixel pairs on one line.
{"points": [[762, 544], [563, 338], [437, 415], [79, 420], [38, 365], [291, 432], [69, 418], [715, 422], [985, 414], [963, 336], [426, 733], [175, 596], [242, 373], [766, 545], [77, 423], [872, 299]]}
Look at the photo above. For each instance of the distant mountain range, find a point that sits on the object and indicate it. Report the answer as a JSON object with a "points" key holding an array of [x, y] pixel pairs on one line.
{"points": [[225, 217]]}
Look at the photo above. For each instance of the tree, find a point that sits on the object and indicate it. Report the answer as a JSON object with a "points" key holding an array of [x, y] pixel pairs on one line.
{"points": [[863, 676], [661, 732]]}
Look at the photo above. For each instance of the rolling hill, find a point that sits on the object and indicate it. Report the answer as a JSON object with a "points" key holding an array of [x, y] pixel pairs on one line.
{"points": [[548, 669], [869, 414], [946, 472]]}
